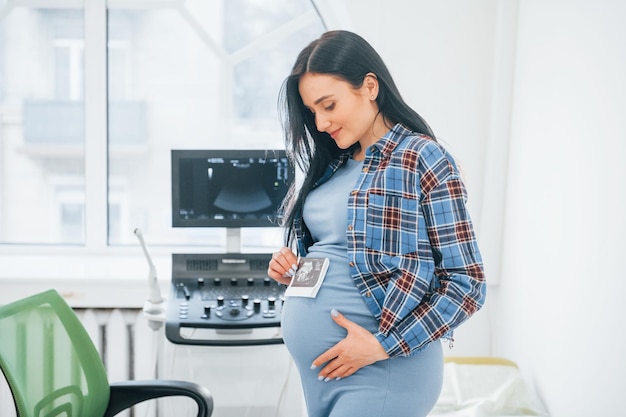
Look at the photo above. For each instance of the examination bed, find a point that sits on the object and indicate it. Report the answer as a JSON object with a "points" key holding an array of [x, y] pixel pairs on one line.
{"points": [[485, 386]]}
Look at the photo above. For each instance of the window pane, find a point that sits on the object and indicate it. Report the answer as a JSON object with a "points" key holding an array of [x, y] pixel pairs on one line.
{"points": [[41, 125], [203, 76]]}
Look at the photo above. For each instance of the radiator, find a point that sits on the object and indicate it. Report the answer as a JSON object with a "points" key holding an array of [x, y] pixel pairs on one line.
{"points": [[128, 347]]}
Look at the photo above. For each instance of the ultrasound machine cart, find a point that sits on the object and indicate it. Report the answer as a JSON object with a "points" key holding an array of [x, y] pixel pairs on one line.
{"points": [[223, 311]]}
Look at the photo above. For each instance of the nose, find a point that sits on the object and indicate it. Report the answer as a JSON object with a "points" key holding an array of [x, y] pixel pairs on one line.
{"points": [[321, 122]]}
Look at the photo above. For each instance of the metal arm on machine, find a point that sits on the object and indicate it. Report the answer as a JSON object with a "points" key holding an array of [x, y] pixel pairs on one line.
{"points": [[155, 306]]}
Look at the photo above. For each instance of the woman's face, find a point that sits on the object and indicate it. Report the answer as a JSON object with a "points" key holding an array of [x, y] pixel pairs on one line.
{"points": [[346, 113]]}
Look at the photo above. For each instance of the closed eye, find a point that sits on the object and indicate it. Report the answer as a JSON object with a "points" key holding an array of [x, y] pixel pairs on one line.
{"points": [[329, 107]]}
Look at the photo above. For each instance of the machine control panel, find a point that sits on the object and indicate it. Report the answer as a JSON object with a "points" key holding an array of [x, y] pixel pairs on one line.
{"points": [[230, 293]]}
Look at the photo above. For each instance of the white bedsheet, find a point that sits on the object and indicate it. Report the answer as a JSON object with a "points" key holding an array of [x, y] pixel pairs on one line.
{"points": [[486, 389]]}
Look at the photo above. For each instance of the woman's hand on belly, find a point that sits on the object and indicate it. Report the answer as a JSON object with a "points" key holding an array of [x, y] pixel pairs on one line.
{"points": [[283, 265], [358, 349]]}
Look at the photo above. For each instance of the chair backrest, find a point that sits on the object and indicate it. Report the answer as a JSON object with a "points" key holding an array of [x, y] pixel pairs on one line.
{"points": [[49, 360]]}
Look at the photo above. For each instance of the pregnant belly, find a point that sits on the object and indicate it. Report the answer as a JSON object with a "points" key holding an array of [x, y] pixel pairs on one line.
{"points": [[307, 326]]}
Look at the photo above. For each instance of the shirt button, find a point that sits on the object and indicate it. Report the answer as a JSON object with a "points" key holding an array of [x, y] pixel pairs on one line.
{"points": [[368, 294], [351, 263], [365, 169], [353, 192], [350, 227]]}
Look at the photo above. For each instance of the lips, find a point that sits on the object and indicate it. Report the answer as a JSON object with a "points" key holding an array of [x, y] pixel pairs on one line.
{"points": [[334, 133]]}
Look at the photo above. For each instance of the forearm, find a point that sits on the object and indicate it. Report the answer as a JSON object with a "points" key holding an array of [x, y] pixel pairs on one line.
{"points": [[456, 299]]}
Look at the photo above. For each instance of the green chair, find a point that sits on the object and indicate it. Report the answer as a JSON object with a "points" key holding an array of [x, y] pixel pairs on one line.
{"points": [[53, 368]]}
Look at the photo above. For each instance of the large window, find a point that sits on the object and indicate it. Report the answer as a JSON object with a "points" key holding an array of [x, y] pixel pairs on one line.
{"points": [[82, 164]]}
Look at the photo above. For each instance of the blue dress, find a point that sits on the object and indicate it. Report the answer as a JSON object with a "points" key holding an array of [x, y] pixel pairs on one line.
{"points": [[397, 387]]}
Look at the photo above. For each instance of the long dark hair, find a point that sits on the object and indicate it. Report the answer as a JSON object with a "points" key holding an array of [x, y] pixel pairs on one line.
{"points": [[348, 56]]}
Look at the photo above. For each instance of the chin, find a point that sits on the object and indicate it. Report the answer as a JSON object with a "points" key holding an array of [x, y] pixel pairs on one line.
{"points": [[343, 144]]}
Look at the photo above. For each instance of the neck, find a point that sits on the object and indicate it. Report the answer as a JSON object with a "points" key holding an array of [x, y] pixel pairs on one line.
{"points": [[380, 126]]}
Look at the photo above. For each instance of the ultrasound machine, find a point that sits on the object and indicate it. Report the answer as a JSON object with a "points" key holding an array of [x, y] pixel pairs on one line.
{"points": [[223, 311]]}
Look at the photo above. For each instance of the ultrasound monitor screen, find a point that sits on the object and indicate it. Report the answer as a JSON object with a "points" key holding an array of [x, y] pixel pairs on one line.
{"points": [[228, 188]]}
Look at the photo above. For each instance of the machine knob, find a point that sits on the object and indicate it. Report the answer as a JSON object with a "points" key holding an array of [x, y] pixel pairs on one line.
{"points": [[234, 312], [244, 299], [200, 282], [250, 281], [233, 281], [267, 281], [217, 282], [257, 305], [220, 300], [271, 301], [207, 310]]}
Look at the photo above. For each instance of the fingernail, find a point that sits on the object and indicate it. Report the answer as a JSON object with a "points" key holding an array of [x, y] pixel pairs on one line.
{"points": [[334, 313], [338, 378], [290, 273], [313, 366], [326, 379], [294, 267], [320, 378]]}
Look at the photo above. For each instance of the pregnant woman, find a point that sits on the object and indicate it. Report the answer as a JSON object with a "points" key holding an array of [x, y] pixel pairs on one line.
{"points": [[385, 203]]}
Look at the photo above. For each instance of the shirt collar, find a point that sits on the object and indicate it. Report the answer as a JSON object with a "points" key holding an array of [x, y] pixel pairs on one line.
{"points": [[391, 139]]}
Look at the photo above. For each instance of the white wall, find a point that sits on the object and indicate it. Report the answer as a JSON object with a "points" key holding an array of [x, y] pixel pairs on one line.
{"points": [[559, 299]]}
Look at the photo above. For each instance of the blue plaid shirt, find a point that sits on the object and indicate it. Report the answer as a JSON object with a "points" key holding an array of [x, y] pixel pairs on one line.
{"points": [[412, 250]]}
